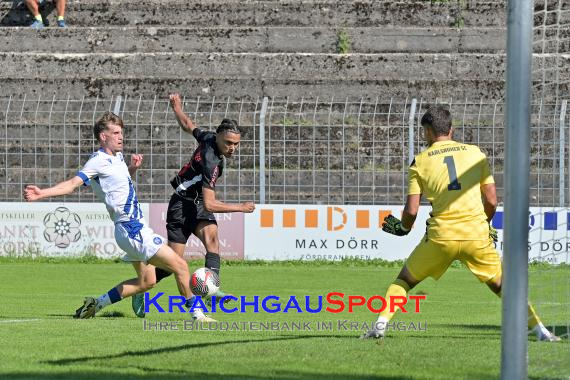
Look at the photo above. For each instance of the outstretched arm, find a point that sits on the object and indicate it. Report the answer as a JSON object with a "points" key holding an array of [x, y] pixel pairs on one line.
{"points": [[211, 204], [33, 193], [183, 120]]}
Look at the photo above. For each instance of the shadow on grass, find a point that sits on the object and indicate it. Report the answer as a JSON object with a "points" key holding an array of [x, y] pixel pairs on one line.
{"points": [[112, 314], [166, 374], [477, 327], [183, 347], [105, 314], [562, 331], [152, 373]]}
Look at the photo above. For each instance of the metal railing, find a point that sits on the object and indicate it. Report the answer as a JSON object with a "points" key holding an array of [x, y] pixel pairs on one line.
{"points": [[319, 151]]}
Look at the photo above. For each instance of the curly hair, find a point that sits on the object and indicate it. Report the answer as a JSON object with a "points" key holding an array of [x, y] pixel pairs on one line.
{"points": [[228, 126]]}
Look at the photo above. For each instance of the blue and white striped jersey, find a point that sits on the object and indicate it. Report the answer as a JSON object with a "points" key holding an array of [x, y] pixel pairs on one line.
{"points": [[111, 182]]}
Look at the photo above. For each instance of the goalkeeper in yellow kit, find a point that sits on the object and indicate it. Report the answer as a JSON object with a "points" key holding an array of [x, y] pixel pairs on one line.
{"points": [[455, 178]]}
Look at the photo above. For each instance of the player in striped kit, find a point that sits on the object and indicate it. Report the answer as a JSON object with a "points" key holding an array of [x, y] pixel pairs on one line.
{"points": [[110, 178]]}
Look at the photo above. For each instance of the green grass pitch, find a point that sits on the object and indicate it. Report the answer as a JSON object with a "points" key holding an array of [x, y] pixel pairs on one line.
{"points": [[40, 340]]}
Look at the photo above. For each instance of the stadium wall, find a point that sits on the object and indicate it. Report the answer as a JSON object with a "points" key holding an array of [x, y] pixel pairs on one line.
{"points": [[250, 49]]}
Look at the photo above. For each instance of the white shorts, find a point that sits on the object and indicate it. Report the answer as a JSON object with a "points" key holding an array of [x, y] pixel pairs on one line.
{"points": [[140, 246]]}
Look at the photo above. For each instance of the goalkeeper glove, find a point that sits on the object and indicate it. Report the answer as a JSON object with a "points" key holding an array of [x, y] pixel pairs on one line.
{"points": [[493, 233], [393, 226]]}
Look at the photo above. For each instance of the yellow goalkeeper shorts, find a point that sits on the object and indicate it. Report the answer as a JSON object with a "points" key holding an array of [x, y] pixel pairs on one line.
{"points": [[431, 258]]}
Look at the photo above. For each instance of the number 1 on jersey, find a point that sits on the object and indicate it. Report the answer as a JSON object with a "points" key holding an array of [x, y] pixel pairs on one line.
{"points": [[452, 172]]}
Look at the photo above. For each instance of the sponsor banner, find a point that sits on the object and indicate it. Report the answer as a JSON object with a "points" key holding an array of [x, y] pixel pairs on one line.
{"points": [[304, 232], [548, 235], [230, 233], [272, 232], [58, 229]]}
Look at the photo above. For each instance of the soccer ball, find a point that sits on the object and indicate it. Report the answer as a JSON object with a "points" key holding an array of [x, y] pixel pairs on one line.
{"points": [[204, 282]]}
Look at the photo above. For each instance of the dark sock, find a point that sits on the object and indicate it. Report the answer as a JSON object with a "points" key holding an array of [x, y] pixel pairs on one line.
{"points": [[189, 302], [213, 262], [161, 273], [114, 295]]}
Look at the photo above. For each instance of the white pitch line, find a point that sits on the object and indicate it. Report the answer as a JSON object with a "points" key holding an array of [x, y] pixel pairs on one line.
{"points": [[20, 320]]}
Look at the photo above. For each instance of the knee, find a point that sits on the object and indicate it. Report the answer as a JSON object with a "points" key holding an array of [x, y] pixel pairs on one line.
{"points": [[495, 286], [147, 285], [407, 278], [180, 266], [212, 243]]}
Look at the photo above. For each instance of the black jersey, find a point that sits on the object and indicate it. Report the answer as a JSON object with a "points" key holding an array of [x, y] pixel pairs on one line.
{"points": [[203, 169]]}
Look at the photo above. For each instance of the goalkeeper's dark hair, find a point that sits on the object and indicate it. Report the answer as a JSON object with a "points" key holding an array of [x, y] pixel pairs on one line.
{"points": [[102, 123], [228, 126], [438, 119]]}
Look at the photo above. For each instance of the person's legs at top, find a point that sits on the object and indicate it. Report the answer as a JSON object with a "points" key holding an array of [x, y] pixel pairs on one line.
{"points": [[34, 8]]}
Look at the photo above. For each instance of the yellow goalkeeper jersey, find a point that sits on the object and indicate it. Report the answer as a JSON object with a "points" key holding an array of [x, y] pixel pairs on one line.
{"points": [[449, 175]]}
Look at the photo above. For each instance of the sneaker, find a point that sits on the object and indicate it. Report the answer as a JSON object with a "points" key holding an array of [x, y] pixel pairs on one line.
{"points": [[88, 309], [548, 337], [377, 331], [61, 23], [37, 24], [137, 302], [204, 319], [199, 316], [219, 294], [543, 334]]}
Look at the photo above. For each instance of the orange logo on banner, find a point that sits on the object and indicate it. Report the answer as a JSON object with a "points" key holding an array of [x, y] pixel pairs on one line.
{"points": [[336, 218], [330, 219], [266, 218], [381, 215], [362, 219], [289, 218], [311, 218]]}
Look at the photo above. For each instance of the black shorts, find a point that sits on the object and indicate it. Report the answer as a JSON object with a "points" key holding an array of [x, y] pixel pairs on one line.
{"points": [[183, 217]]}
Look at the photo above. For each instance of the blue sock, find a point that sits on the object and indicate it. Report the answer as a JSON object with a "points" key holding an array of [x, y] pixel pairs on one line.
{"points": [[190, 302]]}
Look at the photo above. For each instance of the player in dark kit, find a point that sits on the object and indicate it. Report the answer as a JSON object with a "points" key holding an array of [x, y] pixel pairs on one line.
{"points": [[192, 206]]}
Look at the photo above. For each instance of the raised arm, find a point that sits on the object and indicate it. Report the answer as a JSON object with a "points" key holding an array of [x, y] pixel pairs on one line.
{"points": [[33, 193], [183, 120]]}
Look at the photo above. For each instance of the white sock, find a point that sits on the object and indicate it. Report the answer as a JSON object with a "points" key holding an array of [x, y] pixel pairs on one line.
{"points": [[380, 324], [103, 301], [539, 330]]}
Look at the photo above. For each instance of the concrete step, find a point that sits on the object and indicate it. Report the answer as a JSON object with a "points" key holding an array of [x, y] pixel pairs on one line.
{"points": [[326, 13], [246, 75], [253, 39], [251, 89]]}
